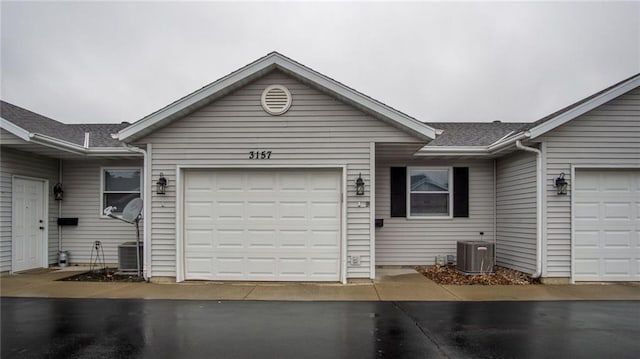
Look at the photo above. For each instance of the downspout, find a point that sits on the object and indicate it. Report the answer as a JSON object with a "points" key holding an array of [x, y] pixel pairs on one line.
{"points": [[495, 209], [60, 208], [145, 231], [539, 192]]}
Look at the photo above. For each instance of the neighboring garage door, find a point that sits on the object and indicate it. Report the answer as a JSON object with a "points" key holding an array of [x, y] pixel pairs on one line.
{"points": [[607, 225], [262, 225]]}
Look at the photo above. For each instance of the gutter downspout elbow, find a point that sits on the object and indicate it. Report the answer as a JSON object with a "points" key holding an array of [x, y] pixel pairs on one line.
{"points": [[539, 193], [147, 199]]}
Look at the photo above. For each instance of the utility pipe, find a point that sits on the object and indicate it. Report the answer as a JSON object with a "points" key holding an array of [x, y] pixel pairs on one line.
{"points": [[539, 193]]}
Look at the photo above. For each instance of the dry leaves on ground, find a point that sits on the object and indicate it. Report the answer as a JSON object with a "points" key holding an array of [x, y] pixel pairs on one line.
{"points": [[101, 275], [449, 275]]}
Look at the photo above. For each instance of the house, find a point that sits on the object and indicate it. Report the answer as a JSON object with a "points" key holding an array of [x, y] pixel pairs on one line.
{"points": [[276, 172]]}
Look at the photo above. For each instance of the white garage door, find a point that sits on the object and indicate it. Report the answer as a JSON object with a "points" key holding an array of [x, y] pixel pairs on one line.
{"points": [[607, 225], [262, 225]]}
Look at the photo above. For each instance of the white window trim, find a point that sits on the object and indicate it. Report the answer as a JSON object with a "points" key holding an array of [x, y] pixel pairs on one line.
{"points": [[450, 192], [102, 191]]}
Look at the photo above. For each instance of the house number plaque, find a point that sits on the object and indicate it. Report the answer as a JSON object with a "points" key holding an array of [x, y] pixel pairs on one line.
{"points": [[259, 155]]}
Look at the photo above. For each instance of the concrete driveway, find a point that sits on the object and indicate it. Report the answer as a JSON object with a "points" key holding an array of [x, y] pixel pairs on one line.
{"points": [[391, 285], [128, 328]]}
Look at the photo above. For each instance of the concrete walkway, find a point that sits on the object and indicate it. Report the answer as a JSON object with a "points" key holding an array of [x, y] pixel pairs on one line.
{"points": [[390, 285]]}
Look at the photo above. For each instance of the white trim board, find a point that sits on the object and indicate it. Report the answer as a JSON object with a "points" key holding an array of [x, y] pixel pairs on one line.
{"points": [[581, 109]]}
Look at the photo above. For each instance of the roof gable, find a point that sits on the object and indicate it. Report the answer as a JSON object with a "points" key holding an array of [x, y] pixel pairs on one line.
{"points": [[259, 68]]}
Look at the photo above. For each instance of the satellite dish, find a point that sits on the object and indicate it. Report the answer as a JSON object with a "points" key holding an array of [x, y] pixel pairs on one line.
{"points": [[132, 210], [130, 214]]}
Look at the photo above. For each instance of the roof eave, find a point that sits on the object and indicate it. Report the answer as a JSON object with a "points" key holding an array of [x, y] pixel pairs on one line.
{"points": [[569, 115], [14, 129]]}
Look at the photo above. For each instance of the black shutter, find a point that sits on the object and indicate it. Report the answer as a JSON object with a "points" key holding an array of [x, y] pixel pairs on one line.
{"points": [[398, 191], [461, 192]]}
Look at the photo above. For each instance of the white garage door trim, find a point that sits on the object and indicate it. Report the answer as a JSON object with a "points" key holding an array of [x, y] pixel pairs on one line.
{"points": [[180, 172], [573, 204]]}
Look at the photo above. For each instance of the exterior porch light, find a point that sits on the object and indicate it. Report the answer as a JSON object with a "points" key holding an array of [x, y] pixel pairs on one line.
{"points": [[561, 184], [360, 185], [57, 191], [161, 185]]}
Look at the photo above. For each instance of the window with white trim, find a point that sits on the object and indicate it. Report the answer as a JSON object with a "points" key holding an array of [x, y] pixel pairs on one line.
{"points": [[119, 186], [429, 193]]}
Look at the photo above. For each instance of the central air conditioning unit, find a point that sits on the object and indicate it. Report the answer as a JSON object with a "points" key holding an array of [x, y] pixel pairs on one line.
{"points": [[475, 257], [127, 257]]}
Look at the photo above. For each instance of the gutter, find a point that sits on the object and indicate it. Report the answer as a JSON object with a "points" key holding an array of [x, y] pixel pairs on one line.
{"points": [[539, 192], [491, 149], [146, 202], [73, 148]]}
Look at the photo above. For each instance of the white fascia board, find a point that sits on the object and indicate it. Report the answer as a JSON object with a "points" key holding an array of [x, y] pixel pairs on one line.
{"points": [[193, 98], [56, 143], [584, 108], [275, 59], [359, 98], [79, 150], [112, 151], [14, 129], [452, 151]]}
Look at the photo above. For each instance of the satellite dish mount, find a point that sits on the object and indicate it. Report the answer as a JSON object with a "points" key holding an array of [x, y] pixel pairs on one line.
{"points": [[132, 214]]}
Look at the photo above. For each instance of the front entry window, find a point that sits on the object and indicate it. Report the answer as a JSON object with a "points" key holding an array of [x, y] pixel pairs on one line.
{"points": [[119, 187], [429, 192]]}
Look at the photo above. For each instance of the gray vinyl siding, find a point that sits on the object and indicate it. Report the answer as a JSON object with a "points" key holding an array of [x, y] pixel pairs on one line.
{"points": [[7, 138], [81, 181], [516, 212], [317, 130], [606, 136], [13, 162], [413, 241]]}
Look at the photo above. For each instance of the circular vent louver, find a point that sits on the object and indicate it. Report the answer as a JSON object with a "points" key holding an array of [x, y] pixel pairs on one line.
{"points": [[276, 99]]}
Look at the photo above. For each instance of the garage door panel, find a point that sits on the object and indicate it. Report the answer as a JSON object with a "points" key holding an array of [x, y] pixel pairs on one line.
{"points": [[617, 239], [587, 211], [587, 239], [199, 238], [264, 225], [617, 211], [606, 219], [617, 266]]}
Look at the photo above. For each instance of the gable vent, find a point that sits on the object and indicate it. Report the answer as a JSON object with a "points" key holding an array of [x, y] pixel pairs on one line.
{"points": [[276, 99]]}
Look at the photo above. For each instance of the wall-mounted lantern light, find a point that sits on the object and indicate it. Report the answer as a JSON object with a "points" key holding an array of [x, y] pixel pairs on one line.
{"points": [[161, 185], [561, 184], [360, 185], [57, 191]]}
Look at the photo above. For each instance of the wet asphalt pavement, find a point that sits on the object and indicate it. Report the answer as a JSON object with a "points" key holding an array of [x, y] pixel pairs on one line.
{"points": [[72, 328]]}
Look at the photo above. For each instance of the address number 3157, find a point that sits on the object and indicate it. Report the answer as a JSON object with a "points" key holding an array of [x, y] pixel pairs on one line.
{"points": [[259, 155]]}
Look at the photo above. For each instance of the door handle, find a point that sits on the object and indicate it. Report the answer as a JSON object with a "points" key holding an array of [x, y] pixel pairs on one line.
{"points": [[42, 228]]}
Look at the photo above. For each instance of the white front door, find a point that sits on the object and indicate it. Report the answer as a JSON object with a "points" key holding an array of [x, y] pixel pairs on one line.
{"points": [[262, 225], [28, 224], [607, 225]]}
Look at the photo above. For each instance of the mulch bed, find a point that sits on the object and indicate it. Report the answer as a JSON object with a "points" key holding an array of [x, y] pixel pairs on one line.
{"points": [[501, 276], [104, 275]]}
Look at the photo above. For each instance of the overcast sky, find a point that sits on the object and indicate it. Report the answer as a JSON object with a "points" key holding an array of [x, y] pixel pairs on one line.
{"points": [[115, 61]]}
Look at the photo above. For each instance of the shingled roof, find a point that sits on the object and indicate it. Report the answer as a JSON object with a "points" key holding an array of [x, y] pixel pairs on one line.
{"points": [[472, 133], [99, 134]]}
